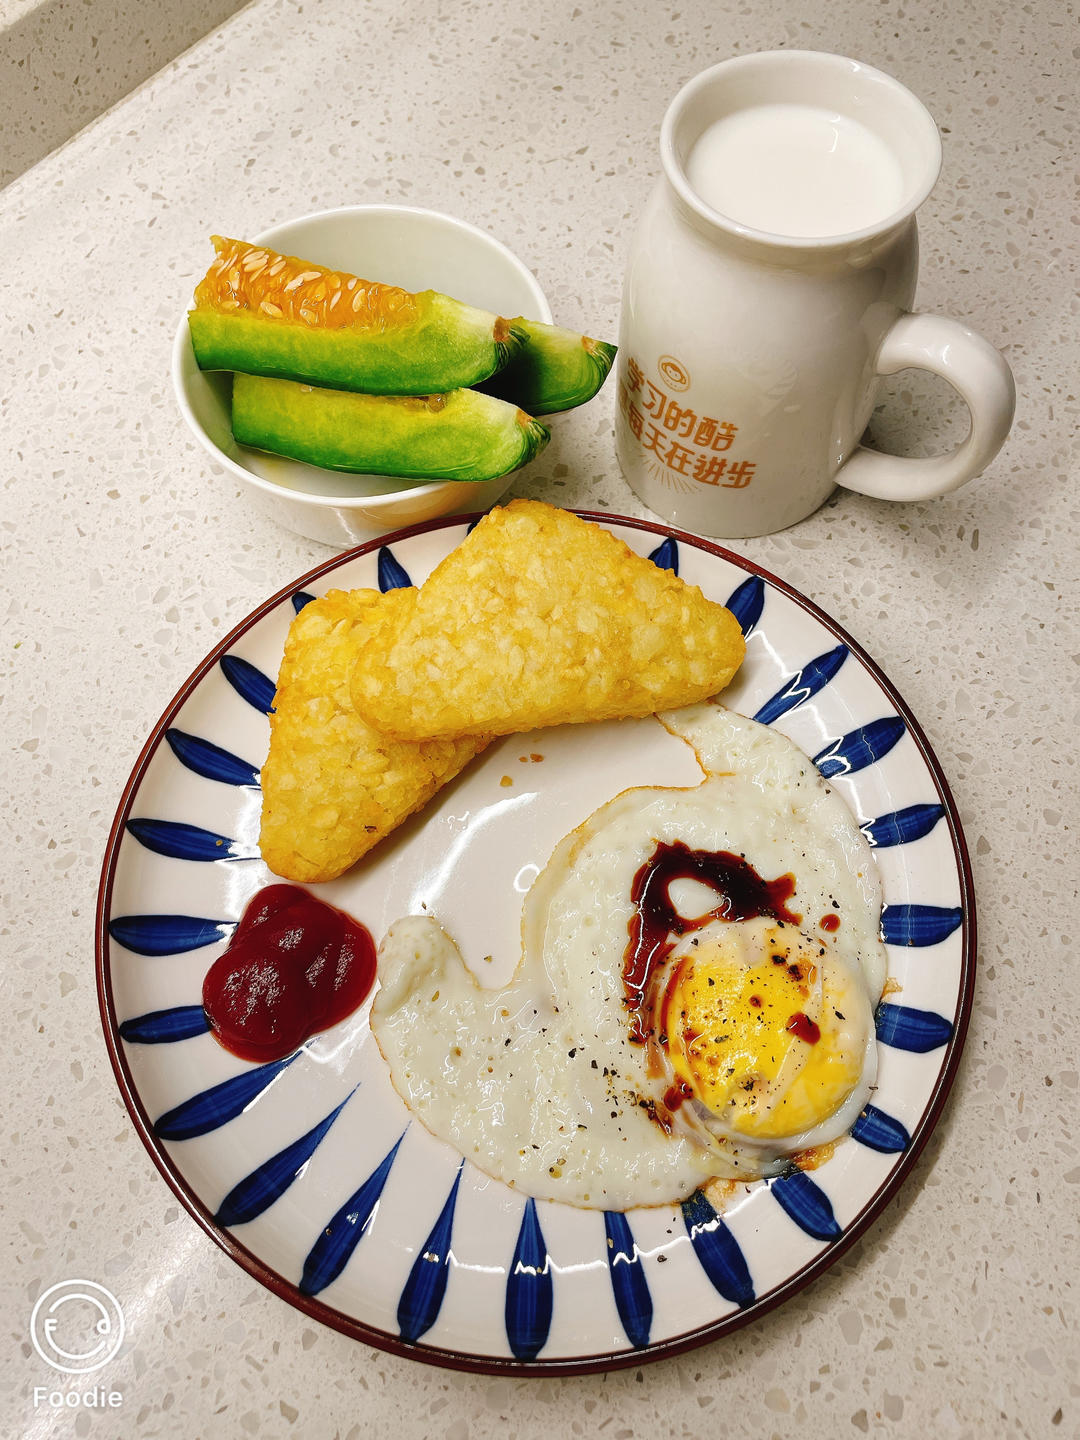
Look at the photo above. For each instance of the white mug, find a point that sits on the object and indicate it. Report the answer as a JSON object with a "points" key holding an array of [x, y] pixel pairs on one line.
{"points": [[752, 335]]}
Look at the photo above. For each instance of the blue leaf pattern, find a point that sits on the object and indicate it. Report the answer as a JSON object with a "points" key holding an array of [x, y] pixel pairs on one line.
{"points": [[178, 841], [919, 924], [880, 1132], [807, 1204], [803, 685], [249, 682], [167, 934], [269, 1181], [861, 747], [333, 1249], [746, 603], [666, 555], [211, 761], [212, 1108], [905, 1028], [529, 1289], [717, 1250], [900, 827], [300, 599], [392, 575], [422, 1298], [628, 1283], [161, 1027]]}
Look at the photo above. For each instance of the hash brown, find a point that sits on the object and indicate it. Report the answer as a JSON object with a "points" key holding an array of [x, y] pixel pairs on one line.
{"points": [[540, 618], [332, 787]]}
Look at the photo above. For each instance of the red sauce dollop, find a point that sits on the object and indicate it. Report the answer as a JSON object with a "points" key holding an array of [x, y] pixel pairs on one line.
{"points": [[675, 1095], [295, 966], [830, 922], [803, 1028], [743, 895]]}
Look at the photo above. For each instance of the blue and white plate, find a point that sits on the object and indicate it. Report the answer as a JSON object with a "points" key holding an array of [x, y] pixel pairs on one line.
{"points": [[312, 1174]]}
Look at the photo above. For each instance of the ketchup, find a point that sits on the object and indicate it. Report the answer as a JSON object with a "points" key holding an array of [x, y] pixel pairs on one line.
{"points": [[294, 966], [743, 895], [675, 1095], [830, 922], [804, 1028]]}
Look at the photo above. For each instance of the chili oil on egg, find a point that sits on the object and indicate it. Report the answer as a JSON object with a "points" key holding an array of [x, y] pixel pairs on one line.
{"points": [[679, 1011]]}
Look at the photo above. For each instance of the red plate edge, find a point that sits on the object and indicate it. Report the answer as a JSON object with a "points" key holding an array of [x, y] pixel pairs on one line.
{"points": [[494, 1365]]}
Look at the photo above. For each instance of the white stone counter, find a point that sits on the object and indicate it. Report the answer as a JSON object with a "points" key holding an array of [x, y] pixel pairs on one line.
{"points": [[126, 555], [62, 64]]}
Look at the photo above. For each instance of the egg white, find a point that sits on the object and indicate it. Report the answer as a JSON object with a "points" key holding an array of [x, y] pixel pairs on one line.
{"points": [[537, 1082]]}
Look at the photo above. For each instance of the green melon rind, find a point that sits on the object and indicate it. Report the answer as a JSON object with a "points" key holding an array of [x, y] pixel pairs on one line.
{"points": [[472, 437], [449, 346], [553, 370]]}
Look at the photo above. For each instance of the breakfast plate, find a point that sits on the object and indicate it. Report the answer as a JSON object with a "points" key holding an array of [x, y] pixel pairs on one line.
{"points": [[312, 1174]]}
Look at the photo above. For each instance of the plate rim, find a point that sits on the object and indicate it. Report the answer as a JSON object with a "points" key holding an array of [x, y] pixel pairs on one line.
{"points": [[604, 1361]]}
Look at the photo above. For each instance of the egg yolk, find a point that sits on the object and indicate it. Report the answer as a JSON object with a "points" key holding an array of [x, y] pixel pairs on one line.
{"points": [[763, 1024]]}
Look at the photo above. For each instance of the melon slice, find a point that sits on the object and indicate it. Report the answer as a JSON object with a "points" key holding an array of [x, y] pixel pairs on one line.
{"points": [[552, 370], [462, 435], [268, 314]]}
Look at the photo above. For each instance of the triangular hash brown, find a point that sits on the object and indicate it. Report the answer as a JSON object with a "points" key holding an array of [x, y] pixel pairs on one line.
{"points": [[541, 618]]}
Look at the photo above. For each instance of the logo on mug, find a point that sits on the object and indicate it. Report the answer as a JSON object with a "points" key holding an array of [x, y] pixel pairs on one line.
{"points": [[77, 1326], [676, 374]]}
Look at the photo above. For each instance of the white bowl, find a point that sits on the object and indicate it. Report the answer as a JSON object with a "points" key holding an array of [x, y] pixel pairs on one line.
{"points": [[418, 250]]}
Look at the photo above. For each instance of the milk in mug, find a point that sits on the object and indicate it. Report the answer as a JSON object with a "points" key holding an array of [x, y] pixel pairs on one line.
{"points": [[798, 170]]}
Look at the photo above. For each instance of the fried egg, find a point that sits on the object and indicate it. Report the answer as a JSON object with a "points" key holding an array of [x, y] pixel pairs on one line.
{"points": [[694, 997], [770, 1034]]}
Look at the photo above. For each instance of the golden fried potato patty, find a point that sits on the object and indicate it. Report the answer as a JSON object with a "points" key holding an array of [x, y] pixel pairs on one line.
{"points": [[332, 787], [540, 618]]}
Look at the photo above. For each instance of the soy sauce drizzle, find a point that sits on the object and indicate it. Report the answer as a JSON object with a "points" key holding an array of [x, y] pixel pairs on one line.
{"points": [[743, 895]]}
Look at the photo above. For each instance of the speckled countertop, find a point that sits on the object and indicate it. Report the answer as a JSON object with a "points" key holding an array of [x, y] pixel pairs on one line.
{"points": [[62, 64], [126, 556]]}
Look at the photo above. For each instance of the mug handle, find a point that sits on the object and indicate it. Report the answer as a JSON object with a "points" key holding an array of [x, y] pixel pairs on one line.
{"points": [[984, 381]]}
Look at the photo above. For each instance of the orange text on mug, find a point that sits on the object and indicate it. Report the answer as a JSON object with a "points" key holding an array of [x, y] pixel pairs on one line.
{"points": [[676, 439]]}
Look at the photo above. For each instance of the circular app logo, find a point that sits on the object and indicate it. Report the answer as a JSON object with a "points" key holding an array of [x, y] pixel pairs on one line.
{"points": [[77, 1326], [676, 375]]}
